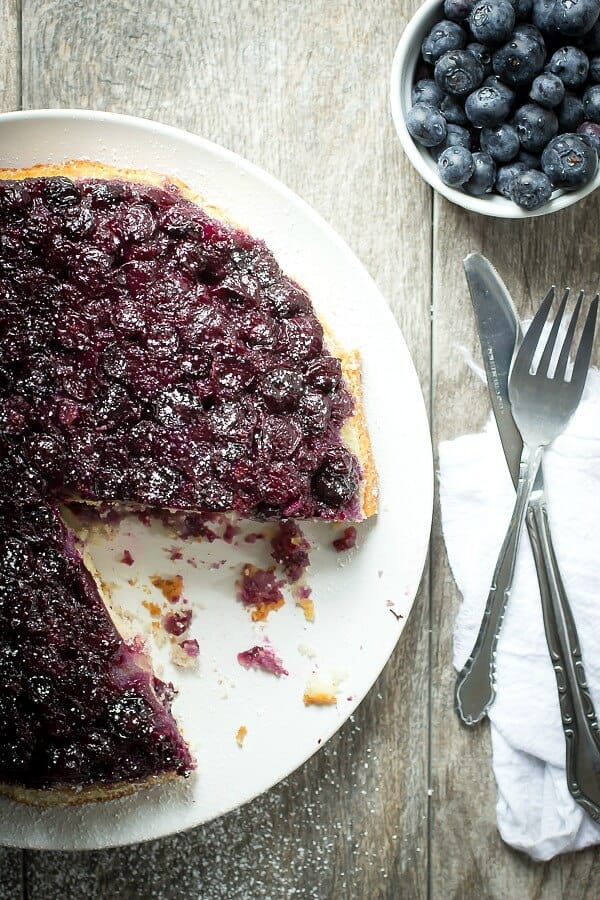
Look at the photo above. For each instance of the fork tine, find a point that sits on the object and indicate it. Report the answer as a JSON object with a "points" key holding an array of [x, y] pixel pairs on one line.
{"points": [[561, 366], [551, 342], [584, 353], [527, 349]]}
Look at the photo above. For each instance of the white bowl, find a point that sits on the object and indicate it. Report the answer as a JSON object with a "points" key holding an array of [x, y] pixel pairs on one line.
{"points": [[405, 62]]}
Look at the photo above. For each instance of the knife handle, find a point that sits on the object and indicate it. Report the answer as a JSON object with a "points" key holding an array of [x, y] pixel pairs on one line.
{"points": [[578, 716], [475, 690]]}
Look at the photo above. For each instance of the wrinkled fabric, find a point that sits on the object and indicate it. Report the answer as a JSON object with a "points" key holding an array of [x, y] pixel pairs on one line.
{"points": [[535, 811]]}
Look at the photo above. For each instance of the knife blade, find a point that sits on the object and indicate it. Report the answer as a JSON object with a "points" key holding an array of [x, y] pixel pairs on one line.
{"points": [[499, 330]]}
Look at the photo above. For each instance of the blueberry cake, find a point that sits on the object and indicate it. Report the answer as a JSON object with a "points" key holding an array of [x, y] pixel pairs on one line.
{"points": [[152, 355]]}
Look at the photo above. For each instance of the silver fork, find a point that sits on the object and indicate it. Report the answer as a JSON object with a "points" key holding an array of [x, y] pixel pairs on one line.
{"points": [[541, 407]]}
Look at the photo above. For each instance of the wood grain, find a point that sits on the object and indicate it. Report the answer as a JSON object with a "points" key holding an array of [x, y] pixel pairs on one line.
{"points": [[470, 860], [301, 88]]}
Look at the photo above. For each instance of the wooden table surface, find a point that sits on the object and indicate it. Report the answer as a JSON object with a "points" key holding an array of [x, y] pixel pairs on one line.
{"points": [[400, 804]]}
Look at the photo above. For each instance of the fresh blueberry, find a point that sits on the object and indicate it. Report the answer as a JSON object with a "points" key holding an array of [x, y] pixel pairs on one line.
{"points": [[486, 107], [502, 142], [426, 91], [569, 161], [531, 160], [453, 111], [535, 126], [590, 131], [456, 136], [529, 31], [570, 113], [505, 176], [571, 17], [520, 60], [591, 42], [426, 125], [530, 190], [443, 37], [571, 65], [455, 166], [483, 54], [483, 177], [595, 69], [508, 93], [542, 15], [591, 103], [547, 90], [492, 23], [522, 9], [458, 72], [458, 10]]}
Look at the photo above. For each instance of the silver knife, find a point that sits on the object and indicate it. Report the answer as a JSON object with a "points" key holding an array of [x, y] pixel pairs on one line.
{"points": [[499, 332]]}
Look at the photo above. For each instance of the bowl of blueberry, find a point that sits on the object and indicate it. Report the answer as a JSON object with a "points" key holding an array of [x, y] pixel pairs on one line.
{"points": [[497, 102]]}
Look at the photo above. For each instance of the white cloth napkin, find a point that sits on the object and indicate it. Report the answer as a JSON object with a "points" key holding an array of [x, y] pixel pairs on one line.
{"points": [[535, 811]]}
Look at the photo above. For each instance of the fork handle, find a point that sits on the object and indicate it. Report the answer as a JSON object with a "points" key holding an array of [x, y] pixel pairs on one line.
{"points": [[475, 690], [578, 716]]}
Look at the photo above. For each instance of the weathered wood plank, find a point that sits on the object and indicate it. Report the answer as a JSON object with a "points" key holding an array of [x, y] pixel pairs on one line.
{"points": [[468, 859], [10, 55], [11, 865], [301, 89]]}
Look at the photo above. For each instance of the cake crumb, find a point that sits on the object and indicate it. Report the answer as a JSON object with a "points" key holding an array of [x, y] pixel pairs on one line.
{"points": [[241, 735], [152, 607], [319, 699], [262, 658], [259, 588], [171, 587], [127, 559], [308, 608], [346, 541]]}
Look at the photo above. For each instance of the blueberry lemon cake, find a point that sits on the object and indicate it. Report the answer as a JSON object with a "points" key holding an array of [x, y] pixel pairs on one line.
{"points": [[152, 355]]}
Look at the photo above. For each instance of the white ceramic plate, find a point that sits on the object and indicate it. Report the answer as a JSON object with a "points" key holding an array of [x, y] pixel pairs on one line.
{"points": [[358, 596]]}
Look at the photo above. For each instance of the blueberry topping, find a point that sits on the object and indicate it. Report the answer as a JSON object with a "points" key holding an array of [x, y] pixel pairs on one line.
{"points": [[535, 126], [458, 72], [501, 142], [569, 161], [483, 177], [492, 22], [443, 37], [547, 90], [570, 65], [531, 190], [455, 166], [595, 70]]}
